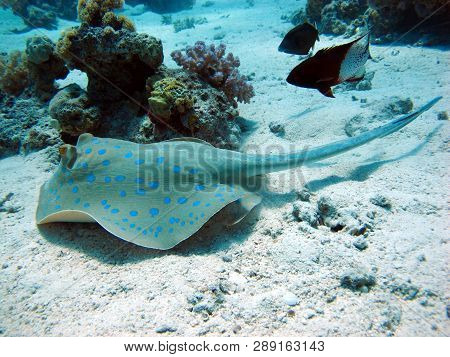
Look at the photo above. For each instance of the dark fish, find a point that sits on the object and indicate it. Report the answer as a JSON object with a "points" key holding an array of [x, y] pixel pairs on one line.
{"points": [[332, 66], [300, 39]]}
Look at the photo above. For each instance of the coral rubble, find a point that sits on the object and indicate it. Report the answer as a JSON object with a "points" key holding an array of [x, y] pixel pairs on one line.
{"points": [[385, 17], [42, 13], [164, 6], [221, 71]]}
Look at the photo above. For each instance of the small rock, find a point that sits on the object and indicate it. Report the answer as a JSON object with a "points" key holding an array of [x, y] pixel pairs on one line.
{"points": [[165, 328], [400, 106], [290, 299], [364, 85], [309, 314], [305, 212], [358, 280], [304, 195], [381, 201], [227, 258], [237, 329], [421, 258], [360, 243], [277, 128], [442, 115]]}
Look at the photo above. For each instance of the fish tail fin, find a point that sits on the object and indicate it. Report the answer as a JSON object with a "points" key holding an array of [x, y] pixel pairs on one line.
{"points": [[339, 147], [327, 92]]}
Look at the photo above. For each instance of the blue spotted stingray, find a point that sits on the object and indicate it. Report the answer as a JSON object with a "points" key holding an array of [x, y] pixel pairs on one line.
{"points": [[158, 195]]}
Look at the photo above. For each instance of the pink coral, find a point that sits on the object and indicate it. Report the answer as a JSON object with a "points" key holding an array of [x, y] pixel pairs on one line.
{"points": [[216, 68]]}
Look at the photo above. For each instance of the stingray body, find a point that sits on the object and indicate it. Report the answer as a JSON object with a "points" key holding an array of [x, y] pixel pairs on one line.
{"points": [[158, 195]]}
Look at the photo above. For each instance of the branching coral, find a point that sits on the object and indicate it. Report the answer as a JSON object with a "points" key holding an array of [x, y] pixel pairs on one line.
{"points": [[99, 13], [221, 71]]}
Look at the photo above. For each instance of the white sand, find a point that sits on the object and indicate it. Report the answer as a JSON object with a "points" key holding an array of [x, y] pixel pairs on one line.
{"points": [[75, 279]]}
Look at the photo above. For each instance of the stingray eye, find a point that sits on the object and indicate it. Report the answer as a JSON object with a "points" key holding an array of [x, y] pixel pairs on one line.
{"points": [[63, 150]]}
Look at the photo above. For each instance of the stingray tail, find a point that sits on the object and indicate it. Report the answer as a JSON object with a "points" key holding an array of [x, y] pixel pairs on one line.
{"points": [[339, 147], [261, 165]]}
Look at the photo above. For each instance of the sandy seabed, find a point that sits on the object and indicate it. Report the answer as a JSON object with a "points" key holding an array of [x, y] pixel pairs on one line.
{"points": [[270, 275]]}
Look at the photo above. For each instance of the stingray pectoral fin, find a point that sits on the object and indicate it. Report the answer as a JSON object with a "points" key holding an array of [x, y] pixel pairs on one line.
{"points": [[190, 139], [165, 219], [242, 207], [327, 92], [68, 216]]}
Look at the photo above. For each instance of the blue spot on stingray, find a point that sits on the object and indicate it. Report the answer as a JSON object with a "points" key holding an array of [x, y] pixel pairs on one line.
{"points": [[139, 180], [116, 146], [107, 206], [153, 185], [84, 165], [125, 220], [176, 169], [144, 232], [70, 181], [132, 225], [102, 152], [119, 178], [90, 178], [88, 151], [193, 171], [199, 188], [107, 179], [114, 211], [75, 189], [208, 204], [77, 200], [133, 213], [86, 205], [104, 202], [128, 155], [202, 215], [139, 162], [122, 193], [182, 223], [139, 228], [190, 214], [140, 192], [57, 206], [191, 222], [172, 220], [167, 200], [154, 212], [182, 200], [106, 162], [160, 160], [218, 195], [196, 203], [159, 229]]}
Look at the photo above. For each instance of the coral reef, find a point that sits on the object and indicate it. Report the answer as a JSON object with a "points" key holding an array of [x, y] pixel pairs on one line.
{"points": [[14, 74], [38, 68], [42, 13], [188, 23], [164, 6], [386, 18], [44, 66], [221, 71], [73, 111], [181, 103], [116, 59], [25, 126]]}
